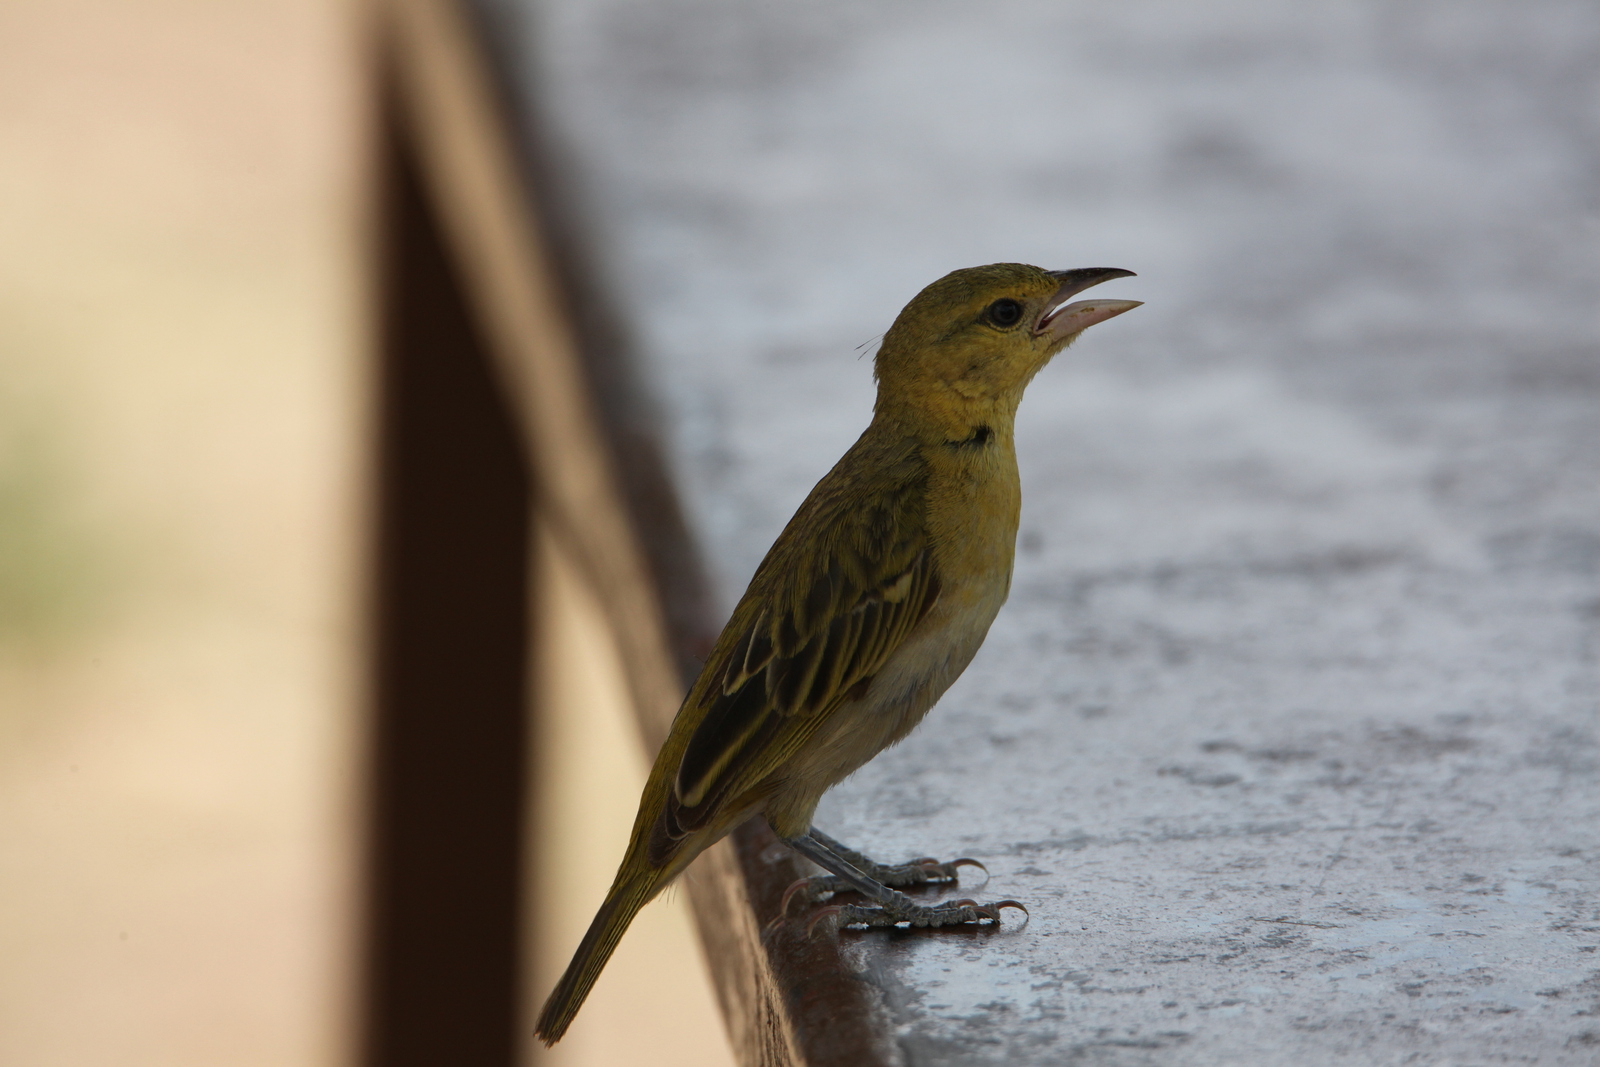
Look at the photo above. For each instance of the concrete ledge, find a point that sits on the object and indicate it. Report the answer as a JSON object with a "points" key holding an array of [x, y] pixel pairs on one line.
{"points": [[1289, 731]]}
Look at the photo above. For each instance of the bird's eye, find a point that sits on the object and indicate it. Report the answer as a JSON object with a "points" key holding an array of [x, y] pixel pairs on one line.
{"points": [[1005, 312]]}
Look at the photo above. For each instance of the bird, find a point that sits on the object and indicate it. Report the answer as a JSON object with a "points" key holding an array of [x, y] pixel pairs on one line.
{"points": [[872, 601]]}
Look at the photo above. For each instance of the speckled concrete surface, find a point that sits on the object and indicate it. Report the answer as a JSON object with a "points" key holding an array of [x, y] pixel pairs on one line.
{"points": [[1289, 733]]}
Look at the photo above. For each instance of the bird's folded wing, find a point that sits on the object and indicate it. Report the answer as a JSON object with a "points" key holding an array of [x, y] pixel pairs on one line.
{"points": [[812, 633]]}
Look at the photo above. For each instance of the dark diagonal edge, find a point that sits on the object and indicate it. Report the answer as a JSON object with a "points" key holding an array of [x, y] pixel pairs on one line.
{"points": [[787, 999]]}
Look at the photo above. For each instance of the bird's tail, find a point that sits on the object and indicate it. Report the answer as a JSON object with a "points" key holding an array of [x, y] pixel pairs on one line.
{"points": [[621, 905]]}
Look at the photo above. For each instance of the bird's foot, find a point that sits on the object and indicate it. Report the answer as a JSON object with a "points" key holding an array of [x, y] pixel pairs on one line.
{"points": [[849, 870], [912, 874], [902, 909], [918, 872]]}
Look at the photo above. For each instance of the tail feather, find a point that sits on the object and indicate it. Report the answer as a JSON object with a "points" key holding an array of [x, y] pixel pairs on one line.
{"points": [[621, 905]]}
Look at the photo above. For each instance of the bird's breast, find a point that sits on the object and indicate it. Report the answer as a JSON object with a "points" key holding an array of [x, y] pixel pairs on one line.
{"points": [[974, 505], [973, 515]]}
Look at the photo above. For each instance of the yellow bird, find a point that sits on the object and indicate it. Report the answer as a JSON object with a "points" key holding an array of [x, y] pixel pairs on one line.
{"points": [[872, 601]]}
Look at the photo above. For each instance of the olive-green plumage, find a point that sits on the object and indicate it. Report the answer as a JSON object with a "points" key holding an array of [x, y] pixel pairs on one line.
{"points": [[873, 599]]}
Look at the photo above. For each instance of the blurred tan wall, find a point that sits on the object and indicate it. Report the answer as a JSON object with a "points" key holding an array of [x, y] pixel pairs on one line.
{"points": [[181, 421], [184, 427], [653, 1003]]}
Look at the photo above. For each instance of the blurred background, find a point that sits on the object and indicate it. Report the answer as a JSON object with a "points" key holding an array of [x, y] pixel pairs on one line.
{"points": [[183, 418], [1387, 211], [189, 226], [1345, 197]]}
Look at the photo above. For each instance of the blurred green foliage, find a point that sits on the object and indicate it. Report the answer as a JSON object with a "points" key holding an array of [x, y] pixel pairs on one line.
{"points": [[52, 579]]}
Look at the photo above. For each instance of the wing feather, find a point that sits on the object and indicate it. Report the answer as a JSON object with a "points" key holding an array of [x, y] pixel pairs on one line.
{"points": [[809, 646]]}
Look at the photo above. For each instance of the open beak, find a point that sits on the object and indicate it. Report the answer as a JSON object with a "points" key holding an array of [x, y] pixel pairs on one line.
{"points": [[1062, 320]]}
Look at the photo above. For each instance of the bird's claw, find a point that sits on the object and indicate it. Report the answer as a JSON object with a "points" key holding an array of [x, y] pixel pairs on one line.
{"points": [[822, 913], [817, 887], [947, 872]]}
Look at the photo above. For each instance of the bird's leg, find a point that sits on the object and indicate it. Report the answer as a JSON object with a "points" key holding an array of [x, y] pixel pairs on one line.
{"points": [[891, 907]]}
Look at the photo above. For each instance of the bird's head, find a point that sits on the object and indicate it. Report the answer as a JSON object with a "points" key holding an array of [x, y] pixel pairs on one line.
{"points": [[966, 346]]}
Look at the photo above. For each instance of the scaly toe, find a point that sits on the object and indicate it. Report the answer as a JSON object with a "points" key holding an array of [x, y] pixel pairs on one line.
{"points": [[865, 915], [950, 913]]}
